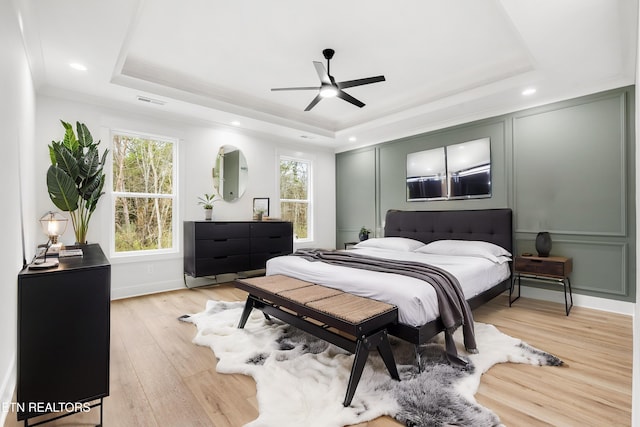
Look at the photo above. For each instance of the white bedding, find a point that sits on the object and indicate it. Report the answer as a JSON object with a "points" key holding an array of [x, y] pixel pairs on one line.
{"points": [[416, 300]]}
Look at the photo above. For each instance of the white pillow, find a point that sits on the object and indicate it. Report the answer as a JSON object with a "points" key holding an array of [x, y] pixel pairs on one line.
{"points": [[476, 248], [401, 244]]}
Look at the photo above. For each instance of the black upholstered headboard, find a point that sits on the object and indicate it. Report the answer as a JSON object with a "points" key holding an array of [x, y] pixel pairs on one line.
{"points": [[489, 225]]}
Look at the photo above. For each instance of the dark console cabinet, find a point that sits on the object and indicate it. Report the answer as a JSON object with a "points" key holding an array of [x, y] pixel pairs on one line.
{"points": [[63, 333], [215, 247]]}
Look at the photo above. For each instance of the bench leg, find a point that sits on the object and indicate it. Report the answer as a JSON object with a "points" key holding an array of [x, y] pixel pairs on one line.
{"points": [[379, 340], [362, 352], [384, 348]]}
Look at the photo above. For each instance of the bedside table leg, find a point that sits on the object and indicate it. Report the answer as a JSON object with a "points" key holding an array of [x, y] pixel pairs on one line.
{"points": [[567, 306], [511, 289]]}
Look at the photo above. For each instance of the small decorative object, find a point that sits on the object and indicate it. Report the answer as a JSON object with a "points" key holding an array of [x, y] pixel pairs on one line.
{"points": [[543, 244], [75, 177], [207, 202], [364, 233], [260, 208]]}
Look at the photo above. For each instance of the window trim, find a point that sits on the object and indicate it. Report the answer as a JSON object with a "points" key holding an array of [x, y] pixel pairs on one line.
{"points": [[175, 235], [299, 157]]}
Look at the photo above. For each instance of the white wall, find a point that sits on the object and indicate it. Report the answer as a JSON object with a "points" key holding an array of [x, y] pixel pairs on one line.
{"points": [[16, 141], [199, 144]]}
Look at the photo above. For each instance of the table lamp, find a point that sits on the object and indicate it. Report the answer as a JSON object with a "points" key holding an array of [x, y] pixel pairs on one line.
{"points": [[53, 225]]}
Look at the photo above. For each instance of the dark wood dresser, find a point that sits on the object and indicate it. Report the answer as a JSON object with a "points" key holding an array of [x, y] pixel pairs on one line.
{"points": [[219, 247], [63, 335]]}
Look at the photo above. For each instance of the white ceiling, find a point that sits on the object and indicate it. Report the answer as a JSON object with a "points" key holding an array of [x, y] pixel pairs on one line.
{"points": [[444, 62]]}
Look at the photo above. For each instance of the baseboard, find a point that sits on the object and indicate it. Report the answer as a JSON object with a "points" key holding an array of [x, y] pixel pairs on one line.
{"points": [[146, 289], [7, 388], [604, 304]]}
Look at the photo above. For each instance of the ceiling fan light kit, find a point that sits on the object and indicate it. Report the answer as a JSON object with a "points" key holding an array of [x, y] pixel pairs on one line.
{"points": [[329, 88]]}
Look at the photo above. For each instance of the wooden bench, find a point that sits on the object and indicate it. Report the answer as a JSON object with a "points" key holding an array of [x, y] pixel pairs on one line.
{"points": [[351, 322]]}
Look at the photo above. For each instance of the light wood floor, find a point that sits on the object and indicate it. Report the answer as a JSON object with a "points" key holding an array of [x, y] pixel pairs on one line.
{"points": [[159, 378]]}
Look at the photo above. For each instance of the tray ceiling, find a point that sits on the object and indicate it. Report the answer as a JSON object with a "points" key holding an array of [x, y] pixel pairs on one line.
{"points": [[444, 62]]}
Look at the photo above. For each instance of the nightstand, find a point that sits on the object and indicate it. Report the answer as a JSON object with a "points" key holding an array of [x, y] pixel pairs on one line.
{"points": [[347, 244], [554, 269]]}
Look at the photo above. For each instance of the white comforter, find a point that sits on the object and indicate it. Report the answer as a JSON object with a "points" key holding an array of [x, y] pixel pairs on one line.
{"points": [[416, 300]]}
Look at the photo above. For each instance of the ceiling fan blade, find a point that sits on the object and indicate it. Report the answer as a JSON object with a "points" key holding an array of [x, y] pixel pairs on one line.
{"points": [[322, 73], [360, 82], [296, 88], [344, 95], [313, 103]]}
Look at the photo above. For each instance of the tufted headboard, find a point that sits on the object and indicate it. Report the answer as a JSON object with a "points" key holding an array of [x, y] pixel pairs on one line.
{"points": [[489, 225]]}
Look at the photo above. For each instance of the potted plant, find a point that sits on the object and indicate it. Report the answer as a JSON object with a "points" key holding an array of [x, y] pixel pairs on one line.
{"points": [[364, 233], [207, 203], [75, 177]]}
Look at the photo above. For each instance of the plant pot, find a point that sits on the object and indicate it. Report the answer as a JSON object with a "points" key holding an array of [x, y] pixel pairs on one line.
{"points": [[363, 236], [207, 214]]}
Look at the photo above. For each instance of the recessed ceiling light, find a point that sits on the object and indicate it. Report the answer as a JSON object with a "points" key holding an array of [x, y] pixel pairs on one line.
{"points": [[353, 139], [235, 123], [78, 66], [529, 91]]}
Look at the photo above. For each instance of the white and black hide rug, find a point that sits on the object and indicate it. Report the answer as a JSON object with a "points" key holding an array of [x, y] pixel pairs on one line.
{"points": [[302, 380]]}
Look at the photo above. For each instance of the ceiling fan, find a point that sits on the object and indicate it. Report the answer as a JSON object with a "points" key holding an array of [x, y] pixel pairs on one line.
{"points": [[329, 87]]}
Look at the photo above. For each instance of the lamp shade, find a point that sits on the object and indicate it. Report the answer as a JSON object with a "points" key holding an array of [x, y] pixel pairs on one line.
{"points": [[53, 224]]}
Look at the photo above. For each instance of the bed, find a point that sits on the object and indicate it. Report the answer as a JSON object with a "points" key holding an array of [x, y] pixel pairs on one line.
{"points": [[413, 236]]}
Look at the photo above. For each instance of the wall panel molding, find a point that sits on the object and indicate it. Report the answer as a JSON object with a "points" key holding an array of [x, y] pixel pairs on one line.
{"points": [[570, 173], [600, 267]]}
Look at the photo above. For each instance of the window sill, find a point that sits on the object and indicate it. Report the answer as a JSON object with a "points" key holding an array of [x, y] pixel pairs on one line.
{"points": [[131, 257]]}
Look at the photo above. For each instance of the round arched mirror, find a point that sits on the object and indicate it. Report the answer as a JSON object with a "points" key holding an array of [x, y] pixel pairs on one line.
{"points": [[230, 174]]}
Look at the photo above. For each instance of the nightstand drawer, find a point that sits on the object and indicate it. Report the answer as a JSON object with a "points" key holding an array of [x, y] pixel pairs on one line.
{"points": [[548, 266]]}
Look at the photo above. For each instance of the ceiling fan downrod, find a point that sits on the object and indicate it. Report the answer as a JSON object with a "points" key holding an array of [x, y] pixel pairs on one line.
{"points": [[328, 55]]}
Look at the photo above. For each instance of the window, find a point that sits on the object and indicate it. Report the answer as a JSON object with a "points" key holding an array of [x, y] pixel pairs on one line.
{"points": [[295, 196], [144, 186]]}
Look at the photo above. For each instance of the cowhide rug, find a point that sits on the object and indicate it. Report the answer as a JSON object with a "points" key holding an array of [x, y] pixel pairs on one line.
{"points": [[301, 380]]}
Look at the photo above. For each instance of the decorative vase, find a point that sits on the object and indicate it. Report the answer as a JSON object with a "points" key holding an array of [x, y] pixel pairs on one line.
{"points": [[207, 214], [363, 236], [543, 243]]}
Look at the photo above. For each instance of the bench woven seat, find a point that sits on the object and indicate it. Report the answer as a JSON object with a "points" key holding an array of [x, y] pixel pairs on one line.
{"points": [[352, 308], [308, 294]]}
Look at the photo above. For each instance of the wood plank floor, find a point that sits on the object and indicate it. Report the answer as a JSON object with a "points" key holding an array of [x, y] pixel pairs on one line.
{"points": [[159, 378]]}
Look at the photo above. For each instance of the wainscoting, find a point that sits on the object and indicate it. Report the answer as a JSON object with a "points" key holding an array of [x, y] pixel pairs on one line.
{"points": [[567, 168]]}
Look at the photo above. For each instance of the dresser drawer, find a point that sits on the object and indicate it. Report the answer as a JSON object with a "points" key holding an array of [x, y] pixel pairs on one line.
{"points": [[219, 247], [550, 266], [225, 264], [271, 229], [272, 244], [222, 230]]}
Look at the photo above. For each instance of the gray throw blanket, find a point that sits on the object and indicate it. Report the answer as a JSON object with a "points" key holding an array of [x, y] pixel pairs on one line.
{"points": [[454, 310]]}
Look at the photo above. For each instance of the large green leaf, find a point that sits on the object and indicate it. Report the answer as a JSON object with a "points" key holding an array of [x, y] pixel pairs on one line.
{"points": [[84, 136], [70, 140], [62, 189], [52, 154], [90, 185], [65, 160], [92, 202], [90, 163]]}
